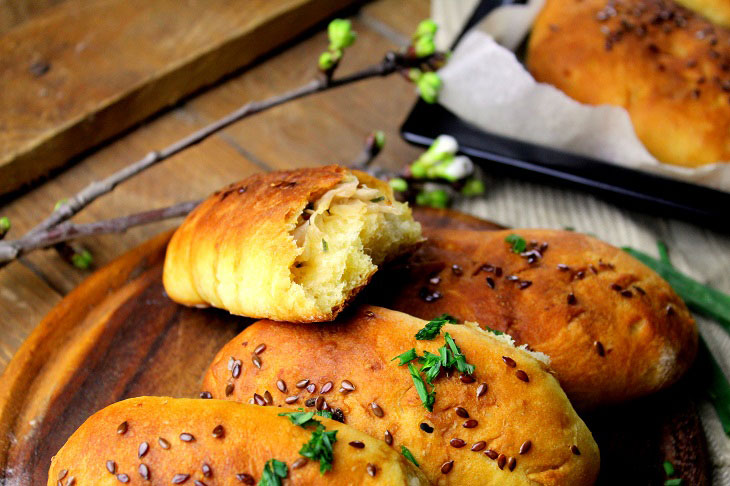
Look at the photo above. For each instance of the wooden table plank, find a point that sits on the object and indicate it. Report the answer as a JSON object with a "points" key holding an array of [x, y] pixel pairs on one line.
{"points": [[85, 70]]}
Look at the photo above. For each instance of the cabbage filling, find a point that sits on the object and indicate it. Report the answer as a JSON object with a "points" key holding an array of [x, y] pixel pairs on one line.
{"points": [[344, 236]]}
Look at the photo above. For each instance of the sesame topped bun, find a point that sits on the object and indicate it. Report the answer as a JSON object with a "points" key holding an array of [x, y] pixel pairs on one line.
{"points": [[291, 246]]}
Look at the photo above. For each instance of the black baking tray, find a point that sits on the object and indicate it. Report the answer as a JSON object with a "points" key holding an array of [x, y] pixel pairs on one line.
{"points": [[500, 155]]}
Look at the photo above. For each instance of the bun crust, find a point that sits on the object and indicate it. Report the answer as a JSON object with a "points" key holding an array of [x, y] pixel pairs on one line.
{"points": [[669, 67], [359, 347], [647, 336], [250, 436], [251, 250]]}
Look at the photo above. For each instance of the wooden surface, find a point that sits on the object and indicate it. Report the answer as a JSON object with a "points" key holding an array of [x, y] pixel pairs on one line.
{"points": [[118, 335], [316, 130], [79, 72]]}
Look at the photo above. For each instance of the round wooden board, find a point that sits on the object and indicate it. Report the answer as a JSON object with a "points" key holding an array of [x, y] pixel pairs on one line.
{"points": [[118, 336]]}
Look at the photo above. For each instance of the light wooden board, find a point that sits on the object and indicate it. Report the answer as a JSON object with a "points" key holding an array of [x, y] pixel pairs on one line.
{"points": [[82, 71]]}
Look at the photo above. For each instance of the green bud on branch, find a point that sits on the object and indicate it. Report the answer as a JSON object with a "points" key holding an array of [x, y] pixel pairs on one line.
{"points": [[326, 61], [473, 187], [82, 259], [4, 226], [379, 137], [340, 34], [429, 85], [426, 27], [398, 184], [424, 46]]}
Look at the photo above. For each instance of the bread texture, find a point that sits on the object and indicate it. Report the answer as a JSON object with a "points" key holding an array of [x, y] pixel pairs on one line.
{"points": [[667, 66], [292, 246], [142, 441], [614, 329], [716, 11], [479, 422]]}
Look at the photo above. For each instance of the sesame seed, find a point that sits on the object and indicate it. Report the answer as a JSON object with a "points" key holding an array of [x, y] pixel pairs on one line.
{"points": [[144, 471], [245, 478], [371, 469], [524, 284], [347, 385], [457, 443], [670, 310], [512, 278], [490, 282], [142, 450], [580, 275], [268, 398], [163, 443], [281, 385], [434, 280], [311, 388], [229, 389], [521, 375], [111, 466], [326, 387], [470, 424], [291, 399], [616, 287], [301, 462], [122, 428], [574, 449], [122, 478], [639, 290], [478, 446], [219, 432], [457, 270], [236, 372], [511, 463], [180, 478], [525, 447], [199, 483], [447, 467], [467, 379], [319, 402], [302, 383], [482, 390], [377, 410], [491, 454], [627, 293], [258, 399], [207, 471], [426, 428], [256, 361], [501, 461], [185, 437], [63, 472], [571, 299], [563, 267], [369, 314], [461, 412], [509, 361], [388, 437], [599, 348], [357, 444], [206, 395], [310, 402]]}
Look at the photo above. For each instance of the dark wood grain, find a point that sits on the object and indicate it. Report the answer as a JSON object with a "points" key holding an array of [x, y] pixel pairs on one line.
{"points": [[118, 335]]}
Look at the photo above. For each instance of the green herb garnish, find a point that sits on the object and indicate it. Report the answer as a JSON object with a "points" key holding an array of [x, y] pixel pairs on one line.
{"points": [[433, 327], [427, 398], [517, 243], [493, 331], [378, 199], [409, 355], [663, 252], [302, 419], [407, 454], [274, 471], [458, 359], [324, 245], [319, 447], [674, 482], [668, 468], [431, 364]]}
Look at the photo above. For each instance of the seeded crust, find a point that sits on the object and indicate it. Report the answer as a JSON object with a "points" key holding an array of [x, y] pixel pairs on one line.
{"points": [[359, 347], [648, 339], [236, 250], [669, 67], [250, 436]]}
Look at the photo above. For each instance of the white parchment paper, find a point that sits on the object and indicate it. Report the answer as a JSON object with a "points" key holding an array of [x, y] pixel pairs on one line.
{"points": [[485, 84]]}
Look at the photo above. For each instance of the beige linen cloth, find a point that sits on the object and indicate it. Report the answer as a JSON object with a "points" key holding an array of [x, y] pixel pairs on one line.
{"points": [[698, 252]]}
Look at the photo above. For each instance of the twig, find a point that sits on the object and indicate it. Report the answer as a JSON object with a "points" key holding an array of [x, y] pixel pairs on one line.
{"points": [[68, 230]]}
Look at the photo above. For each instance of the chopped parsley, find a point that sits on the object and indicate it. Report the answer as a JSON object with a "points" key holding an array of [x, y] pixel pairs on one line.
{"points": [[319, 447], [427, 397], [378, 199], [431, 364], [305, 419], [407, 454], [324, 245], [517, 243], [274, 471], [668, 468], [674, 482], [459, 360], [433, 328], [409, 355], [493, 331]]}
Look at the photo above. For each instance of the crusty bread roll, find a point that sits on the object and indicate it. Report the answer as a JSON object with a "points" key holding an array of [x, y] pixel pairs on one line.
{"points": [[669, 67], [292, 246], [614, 329], [158, 440], [508, 423], [717, 11]]}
